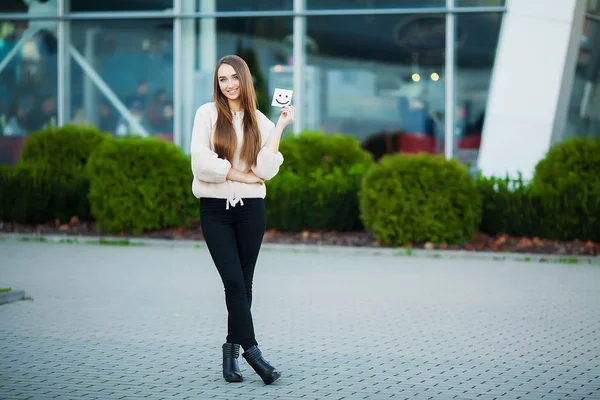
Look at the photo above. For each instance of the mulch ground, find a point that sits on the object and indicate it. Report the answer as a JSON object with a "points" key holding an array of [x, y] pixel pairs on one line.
{"points": [[481, 242]]}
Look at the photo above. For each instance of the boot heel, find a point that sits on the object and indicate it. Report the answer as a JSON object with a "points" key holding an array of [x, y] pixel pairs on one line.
{"points": [[265, 370], [231, 368]]}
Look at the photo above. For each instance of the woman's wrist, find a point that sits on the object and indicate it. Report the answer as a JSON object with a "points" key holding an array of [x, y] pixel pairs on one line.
{"points": [[236, 175]]}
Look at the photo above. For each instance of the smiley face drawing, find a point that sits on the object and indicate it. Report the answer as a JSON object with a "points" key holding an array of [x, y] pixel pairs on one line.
{"points": [[282, 97]]}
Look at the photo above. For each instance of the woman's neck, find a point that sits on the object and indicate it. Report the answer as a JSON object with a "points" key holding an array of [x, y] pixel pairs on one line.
{"points": [[235, 106]]}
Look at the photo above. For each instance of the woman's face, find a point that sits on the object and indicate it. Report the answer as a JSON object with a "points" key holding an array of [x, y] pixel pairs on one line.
{"points": [[229, 82]]}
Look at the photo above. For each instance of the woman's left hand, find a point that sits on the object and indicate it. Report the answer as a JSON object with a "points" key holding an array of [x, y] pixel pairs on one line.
{"points": [[287, 116]]}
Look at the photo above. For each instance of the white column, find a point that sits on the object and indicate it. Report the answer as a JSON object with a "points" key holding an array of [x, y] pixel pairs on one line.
{"points": [[189, 48], [90, 95], [299, 63], [63, 37], [177, 72], [207, 43], [449, 97], [530, 85]]}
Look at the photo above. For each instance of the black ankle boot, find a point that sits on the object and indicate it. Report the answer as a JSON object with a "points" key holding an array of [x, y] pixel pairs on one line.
{"points": [[231, 369], [267, 372]]}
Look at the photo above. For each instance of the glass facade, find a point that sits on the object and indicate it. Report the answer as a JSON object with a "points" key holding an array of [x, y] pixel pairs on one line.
{"points": [[475, 54], [376, 69], [380, 78], [584, 108], [366, 4], [118, 65]]}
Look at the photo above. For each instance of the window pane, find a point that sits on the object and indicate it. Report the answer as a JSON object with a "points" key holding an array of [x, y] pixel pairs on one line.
{"points": [[27, 6], [380, 78], [254, 5], [356, 4], [28, 84], [120, 5], [135, 60], [584, 108], [475, 56], [479, 3]]}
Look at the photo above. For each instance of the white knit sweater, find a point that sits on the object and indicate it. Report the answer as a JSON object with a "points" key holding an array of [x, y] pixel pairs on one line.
{"points": [[210, 171]]}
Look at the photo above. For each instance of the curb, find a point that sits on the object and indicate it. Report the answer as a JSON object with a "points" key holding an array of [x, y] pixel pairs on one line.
{"points": [[308, 248], [13, 295]]}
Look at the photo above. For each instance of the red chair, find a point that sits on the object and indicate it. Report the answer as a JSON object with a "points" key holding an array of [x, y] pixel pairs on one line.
{"points": [[413, 143], [469, 142]]}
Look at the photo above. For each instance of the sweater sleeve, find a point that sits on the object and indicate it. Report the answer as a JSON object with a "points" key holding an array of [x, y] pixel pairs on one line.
{"points": [[206, 164], [267, 162]]}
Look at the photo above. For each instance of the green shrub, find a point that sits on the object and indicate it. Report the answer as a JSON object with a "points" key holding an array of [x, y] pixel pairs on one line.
{"points": [[6, 192], [317, 187], [313, 150], [419, 198], [33, 193], [49, 180], [318, 201], [140, 184], [511, 207], [574, 161], [65, 149], [568, 181]]}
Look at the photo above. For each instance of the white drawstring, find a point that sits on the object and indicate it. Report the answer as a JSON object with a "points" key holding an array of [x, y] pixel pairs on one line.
{"points": [[233, 201]]}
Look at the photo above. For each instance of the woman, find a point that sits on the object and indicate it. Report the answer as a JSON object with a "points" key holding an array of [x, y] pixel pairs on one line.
{"points": [[234, 149]]}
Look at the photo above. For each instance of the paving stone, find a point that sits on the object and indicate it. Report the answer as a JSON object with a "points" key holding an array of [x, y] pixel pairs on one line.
{"points": [[148, 322]]}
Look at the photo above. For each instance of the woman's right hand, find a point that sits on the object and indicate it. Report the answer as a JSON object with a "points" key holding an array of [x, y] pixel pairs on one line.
{"points": [[252, 178]]}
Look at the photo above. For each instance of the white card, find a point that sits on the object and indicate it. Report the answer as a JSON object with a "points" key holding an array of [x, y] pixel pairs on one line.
{"points": [[282, 97]]}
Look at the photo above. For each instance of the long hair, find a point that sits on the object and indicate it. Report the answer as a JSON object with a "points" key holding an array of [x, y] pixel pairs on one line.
{"points": [[225, 139]]}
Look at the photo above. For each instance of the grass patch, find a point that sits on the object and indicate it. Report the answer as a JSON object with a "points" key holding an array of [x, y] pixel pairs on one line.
{"points": [[69, 241], [567, 260], [115, 242], [34, 239], [5, 290], [404, 252]]}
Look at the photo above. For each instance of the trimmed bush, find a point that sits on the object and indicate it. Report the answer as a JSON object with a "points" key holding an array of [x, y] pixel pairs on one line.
{"points": [[576, 161], [568, 182], [514, 208], [509, 207], [419, 198], [36, 194], [317, 187], [49, 181], [318, 201], [65, 150], [7, 193], [140, 184], [313, 150]]}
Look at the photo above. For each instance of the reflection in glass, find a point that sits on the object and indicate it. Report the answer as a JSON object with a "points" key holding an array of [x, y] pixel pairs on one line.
{"points": [[475, 53], [584, 109], [253, 5], [479, 3], [379, 78], [28, 84], [593, 7], [357, 4], [32, 7], [121, 5], [134, 59]]}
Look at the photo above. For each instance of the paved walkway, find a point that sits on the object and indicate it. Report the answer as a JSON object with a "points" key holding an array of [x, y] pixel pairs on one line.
{"points": [[147, 322]]}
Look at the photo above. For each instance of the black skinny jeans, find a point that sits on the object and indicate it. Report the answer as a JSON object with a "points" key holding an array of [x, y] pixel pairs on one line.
{"points": [[234, 237]]}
